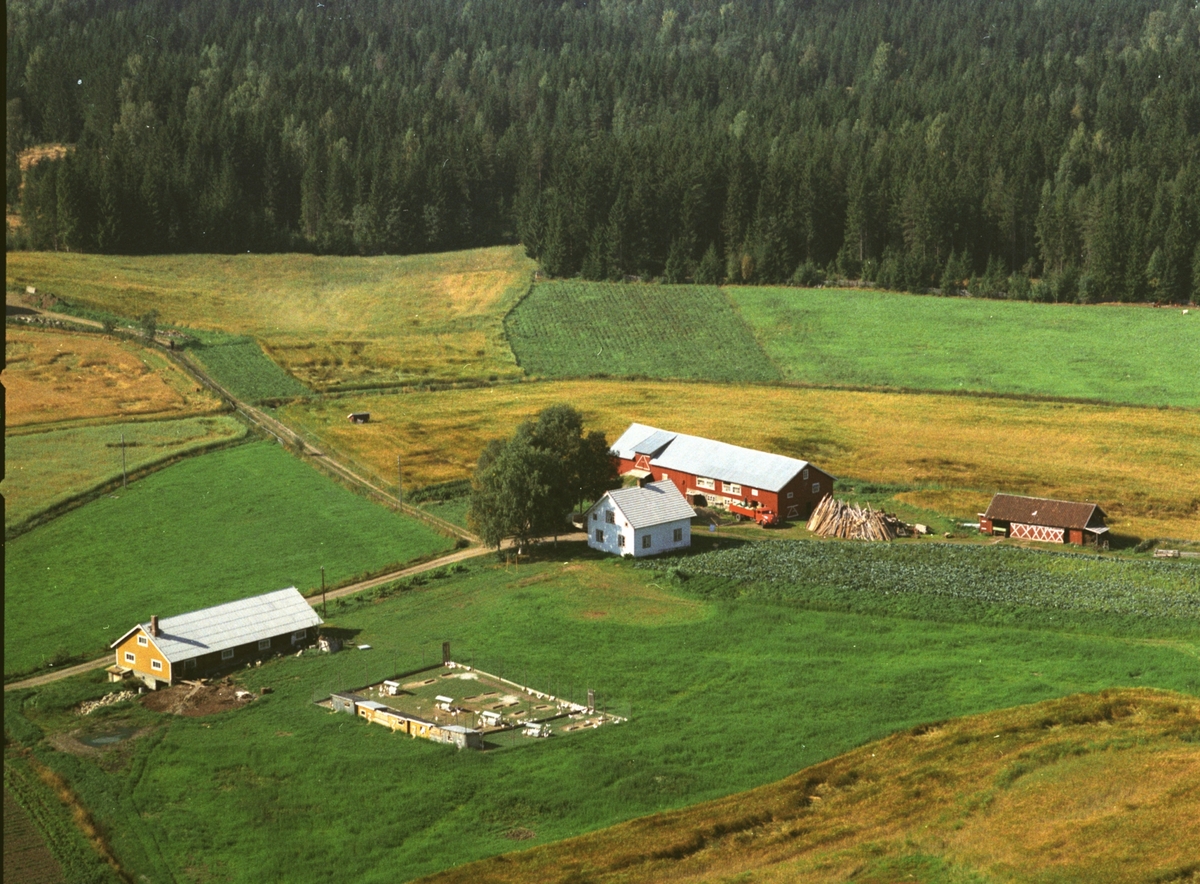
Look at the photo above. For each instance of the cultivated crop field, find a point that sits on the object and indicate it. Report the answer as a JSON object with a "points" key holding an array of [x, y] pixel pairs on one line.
{"points": [[1005, 582], [1130, 354], [1011, 794], [46, 469], [329, 322], [576, 329], [246, 792], [59, 377], [1141, 465], [211, 529], [240, 366]]}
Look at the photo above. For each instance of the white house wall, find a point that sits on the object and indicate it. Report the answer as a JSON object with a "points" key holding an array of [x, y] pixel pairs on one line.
{"points": [[662, 536]]}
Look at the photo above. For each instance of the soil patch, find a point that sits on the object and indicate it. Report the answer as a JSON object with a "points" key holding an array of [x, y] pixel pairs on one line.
{"points": [[196, 700], [26, 856]]}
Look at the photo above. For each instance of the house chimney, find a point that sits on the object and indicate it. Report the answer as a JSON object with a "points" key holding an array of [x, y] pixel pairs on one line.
{"points": [[154, 625]]}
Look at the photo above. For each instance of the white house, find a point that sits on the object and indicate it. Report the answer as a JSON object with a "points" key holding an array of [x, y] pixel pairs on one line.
{"points": [[641, 521]]}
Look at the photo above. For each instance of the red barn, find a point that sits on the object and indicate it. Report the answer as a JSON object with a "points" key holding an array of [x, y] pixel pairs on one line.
{"points": [[710, 473], [1040, 518]]}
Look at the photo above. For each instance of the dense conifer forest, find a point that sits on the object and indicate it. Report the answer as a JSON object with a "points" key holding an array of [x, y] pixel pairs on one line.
{"points": [[916, 143]]}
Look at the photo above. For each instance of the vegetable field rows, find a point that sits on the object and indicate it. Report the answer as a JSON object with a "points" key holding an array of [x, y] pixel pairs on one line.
{"points": [[576, 329], [239, 364]]}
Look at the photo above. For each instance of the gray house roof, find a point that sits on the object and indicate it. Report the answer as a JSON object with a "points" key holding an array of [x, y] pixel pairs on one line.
{"points": [[655, 504], [709, 458], [226, 626]]}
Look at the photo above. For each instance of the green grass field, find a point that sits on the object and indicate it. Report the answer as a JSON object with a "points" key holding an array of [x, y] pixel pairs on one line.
{"points": [[576, 329], [210, 529], [44, 470], [1128, 354], [239, 365], [723, 695]]}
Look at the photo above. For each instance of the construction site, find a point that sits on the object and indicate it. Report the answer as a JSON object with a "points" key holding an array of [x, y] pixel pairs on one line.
{"points": [[466, 707]]}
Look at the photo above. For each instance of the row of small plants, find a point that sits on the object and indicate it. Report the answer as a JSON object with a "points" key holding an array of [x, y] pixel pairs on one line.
{"points": [[988, 576]]}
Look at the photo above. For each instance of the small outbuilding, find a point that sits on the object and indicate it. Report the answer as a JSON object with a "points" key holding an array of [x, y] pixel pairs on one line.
{"points": [[1044, 519], [359, 417], [641, 521]]}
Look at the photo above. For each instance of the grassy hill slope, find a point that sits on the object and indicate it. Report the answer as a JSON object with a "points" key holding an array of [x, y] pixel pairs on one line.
{"points": [[1086, 788], [1114, 353]]}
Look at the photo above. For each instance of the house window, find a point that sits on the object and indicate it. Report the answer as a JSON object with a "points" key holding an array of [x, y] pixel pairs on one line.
{"points": [[156, 665], [610, 517], [189, 664], [806, 474], [130, 657], [789, 495], [816, 488], [666, 476], [754, 491], [620, 540], [646, 541], [299, 635], [731, 488], [599, 536], [706, 483], [143, 641], [678, 535], [227, 654], [595, 516], [264, 644]]}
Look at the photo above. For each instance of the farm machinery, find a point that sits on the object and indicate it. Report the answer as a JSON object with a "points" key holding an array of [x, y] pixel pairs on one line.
{"points": [[760, 514]]}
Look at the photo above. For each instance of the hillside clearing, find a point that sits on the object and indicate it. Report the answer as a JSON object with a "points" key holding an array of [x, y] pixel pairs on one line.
{"points": [[329, 322], [953, 452]]}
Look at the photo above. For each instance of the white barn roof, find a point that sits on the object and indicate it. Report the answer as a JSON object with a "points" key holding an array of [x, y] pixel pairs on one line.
{"points": [[234, 623], [709, 458], [655, 504]]}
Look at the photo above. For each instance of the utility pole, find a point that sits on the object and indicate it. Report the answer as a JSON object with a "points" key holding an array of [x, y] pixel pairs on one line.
{"points": [[399, 482], [323, 610], [124, 478]]}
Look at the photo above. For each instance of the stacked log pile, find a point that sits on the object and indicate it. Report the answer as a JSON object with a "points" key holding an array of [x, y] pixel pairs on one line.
{"points": [[837, 518]]}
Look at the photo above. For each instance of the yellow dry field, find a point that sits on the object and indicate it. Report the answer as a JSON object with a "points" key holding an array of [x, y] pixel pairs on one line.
{"points": [[329, 321], [65, 378], [1083, 789], [1141, 465]]}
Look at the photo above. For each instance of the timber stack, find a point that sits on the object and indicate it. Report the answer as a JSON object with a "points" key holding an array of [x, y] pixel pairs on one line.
{"points": [[837, 518]]}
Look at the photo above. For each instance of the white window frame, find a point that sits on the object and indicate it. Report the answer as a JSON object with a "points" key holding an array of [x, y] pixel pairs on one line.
{"points": [[227, 654], [789, 495], [710, 484], [731, 487], [647, 541], [143, 641], [299, 635], [816, 487], [666, 476], [621, 540], [610, 517], [264, 644], [156, 665], [754, 491], [130, 657], [805, 476]]}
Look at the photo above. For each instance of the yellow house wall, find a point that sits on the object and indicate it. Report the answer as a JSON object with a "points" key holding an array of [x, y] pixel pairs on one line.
{"points": [[142, 657]]}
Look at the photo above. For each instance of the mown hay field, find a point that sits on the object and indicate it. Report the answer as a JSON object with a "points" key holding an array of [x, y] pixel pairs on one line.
{"points": [[60, 377], [44, 470], [740, 693], [329, 322], [578, 329], [1080, 789], [210, 529], [1116, 353], [1141, 465]]}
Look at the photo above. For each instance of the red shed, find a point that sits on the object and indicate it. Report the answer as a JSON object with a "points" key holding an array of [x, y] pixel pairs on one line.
{"points": [[711, 473], [1041, 518]]}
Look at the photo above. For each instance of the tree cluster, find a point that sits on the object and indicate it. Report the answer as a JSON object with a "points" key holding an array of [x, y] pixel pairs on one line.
{"points": [[921, 144], [524, 487]]}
